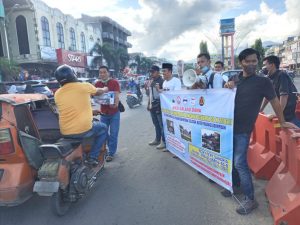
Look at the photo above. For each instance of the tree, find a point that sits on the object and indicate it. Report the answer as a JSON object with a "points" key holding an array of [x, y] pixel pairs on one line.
{"points": [[145, 65], [96, 51], [203, 47], [258, 46], [8, 69], [138, 63], [115, 58], [108, 54]]}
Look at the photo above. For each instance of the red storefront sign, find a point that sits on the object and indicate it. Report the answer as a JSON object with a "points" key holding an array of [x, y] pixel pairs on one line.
{"points": [[74, 59]]}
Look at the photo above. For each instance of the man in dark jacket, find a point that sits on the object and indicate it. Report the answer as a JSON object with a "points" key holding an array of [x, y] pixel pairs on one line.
{"points": [[155, 109], [284, 88]]}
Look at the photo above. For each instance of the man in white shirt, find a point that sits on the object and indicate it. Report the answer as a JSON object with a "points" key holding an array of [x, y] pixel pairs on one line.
{"points": [[171, 83], [216, 78], [204, 71]]}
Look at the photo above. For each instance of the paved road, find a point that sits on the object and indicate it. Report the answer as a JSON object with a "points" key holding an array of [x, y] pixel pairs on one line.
{"points": [[143, 186]]}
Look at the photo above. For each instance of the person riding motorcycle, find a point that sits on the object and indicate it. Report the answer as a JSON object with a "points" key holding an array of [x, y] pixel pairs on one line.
{"points": [[134, 87], [76, 113]]}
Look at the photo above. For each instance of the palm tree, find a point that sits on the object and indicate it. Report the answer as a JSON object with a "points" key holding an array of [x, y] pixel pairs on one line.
{"points": [[108, 54], [145, 65], [97, 52], [8, 69], [124, 57], [138, 63]]}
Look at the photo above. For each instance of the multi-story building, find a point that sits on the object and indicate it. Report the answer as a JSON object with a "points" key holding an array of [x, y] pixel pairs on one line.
{"points": [[40, 37], [288, 52], [112, 32], [292, 53]]}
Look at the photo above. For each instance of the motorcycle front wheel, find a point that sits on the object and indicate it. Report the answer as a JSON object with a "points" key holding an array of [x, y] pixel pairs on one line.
{"points": [[58, 204]]}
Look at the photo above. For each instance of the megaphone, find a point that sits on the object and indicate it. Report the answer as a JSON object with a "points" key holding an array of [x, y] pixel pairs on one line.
{"points": [[189, 77]]}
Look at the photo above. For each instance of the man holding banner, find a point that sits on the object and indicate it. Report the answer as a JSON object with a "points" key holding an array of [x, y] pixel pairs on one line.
{"points": [[251, 89]]}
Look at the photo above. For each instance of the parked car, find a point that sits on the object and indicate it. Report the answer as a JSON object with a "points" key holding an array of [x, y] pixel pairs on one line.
{"points": [[28, 87], [53, 86], [41, 89], [230, 73]]}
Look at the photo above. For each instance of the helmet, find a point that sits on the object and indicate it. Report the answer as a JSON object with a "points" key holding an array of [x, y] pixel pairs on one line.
{"points": [[65, 74]]}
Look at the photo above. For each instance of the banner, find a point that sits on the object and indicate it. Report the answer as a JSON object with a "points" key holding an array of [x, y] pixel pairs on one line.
{"points": [[198, 126], [48, 53]]}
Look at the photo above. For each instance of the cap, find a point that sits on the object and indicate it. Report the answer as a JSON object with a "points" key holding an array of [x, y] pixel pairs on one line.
{"points": [[154, 68], [167, 66]]}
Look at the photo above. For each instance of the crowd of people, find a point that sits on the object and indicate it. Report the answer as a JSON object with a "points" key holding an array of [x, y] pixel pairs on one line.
{"points": [[253, 93]]}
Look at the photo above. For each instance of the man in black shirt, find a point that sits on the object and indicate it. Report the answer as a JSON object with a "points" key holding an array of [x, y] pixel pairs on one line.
{"points": [[284, 88], [251, 90], [155, 109]]}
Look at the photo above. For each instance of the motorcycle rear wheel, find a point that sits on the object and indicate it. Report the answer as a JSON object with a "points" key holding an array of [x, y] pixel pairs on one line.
{"points": [[59, 205]]}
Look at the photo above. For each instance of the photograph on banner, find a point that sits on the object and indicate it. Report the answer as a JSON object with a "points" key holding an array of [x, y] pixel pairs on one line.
{"points": [[198, 126]]}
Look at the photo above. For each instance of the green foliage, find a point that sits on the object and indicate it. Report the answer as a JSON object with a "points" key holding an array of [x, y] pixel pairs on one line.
{"points": [[116, 58], [258, 46], [203, 47], [142, 64], [8, 69]]}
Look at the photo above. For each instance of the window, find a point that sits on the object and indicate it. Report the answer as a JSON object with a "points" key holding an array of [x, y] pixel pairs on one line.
{"points": [[72, 39], [46, 31], [22, 35], [83, 46], [60, 35]]}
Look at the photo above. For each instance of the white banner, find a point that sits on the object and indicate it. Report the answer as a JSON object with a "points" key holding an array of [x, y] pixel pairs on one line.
{"points": [[198, 126]]}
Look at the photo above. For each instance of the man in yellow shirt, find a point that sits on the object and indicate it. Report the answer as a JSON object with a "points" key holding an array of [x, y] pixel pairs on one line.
{"points": [[75, 110]]}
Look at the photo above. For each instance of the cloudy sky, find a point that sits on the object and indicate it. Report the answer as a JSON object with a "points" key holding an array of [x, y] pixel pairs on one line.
{"points": [[174, 28]]}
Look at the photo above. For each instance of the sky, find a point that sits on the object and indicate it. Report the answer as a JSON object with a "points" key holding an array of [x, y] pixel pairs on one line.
{"points": [[173, 29]]}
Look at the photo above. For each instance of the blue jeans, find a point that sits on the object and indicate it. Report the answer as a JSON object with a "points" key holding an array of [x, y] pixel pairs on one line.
{"points": [[113, 125], [99, 132], [296, 121], [158, 124], [241, 172]]}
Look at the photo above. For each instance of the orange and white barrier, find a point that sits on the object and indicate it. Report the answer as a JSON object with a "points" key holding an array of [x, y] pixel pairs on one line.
{"points": [[264, 148], [283, 189]]}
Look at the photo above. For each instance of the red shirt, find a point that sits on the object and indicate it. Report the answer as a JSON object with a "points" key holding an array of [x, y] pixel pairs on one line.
{"points": [[113, 85]]}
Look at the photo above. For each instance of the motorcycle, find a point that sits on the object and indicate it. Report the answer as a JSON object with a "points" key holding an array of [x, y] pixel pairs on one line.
{"points": [[35, 158], [134, 97]]}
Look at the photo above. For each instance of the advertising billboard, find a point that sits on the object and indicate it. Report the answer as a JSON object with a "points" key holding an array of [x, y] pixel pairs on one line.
{"points": [[74, 59], [227, 26]]}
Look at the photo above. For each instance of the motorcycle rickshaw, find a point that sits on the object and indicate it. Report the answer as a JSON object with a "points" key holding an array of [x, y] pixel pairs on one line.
{"points": [[35, 158]]}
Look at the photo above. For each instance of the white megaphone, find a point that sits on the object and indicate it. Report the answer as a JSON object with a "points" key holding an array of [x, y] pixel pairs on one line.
{"points": [[189, 77]]}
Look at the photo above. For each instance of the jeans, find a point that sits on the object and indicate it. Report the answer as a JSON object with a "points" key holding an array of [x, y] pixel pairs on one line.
{"points": [[113, 125], [241, 172], [158, 124], [296, 121], [99, 132]]}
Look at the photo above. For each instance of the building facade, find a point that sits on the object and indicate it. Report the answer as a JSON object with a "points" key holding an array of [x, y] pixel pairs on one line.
{"points": [[112, 33], [40, 37], [288, 52]]}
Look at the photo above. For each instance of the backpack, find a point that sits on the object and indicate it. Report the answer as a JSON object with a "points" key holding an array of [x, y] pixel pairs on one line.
{"points": [[210, 83]]}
